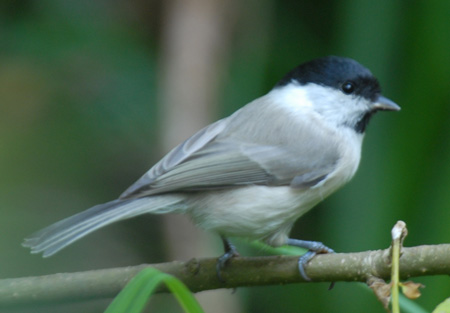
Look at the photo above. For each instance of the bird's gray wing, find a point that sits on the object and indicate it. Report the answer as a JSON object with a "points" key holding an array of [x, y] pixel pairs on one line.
{"points": [[177, 155], [225, 164]]}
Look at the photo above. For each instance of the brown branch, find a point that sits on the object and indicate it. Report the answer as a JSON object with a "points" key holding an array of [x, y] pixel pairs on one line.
{"points": [[200, 274]]}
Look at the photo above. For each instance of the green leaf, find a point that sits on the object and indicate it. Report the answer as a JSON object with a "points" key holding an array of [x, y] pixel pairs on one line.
{"points": [[283, 250], [133, 298], [444, 307]]}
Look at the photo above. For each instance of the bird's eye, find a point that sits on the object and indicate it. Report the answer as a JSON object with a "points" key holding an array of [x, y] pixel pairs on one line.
{"points": [[348, 87]]}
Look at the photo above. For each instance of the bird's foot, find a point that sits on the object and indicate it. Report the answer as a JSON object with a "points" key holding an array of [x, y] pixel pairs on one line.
{"points": [[230, 252], [314, 247]]}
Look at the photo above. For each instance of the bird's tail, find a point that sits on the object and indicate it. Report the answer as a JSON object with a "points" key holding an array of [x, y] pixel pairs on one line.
{"points": [[59, 235]]}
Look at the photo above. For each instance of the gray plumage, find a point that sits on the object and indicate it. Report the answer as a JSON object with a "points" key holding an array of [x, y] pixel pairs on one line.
{"points": [[255, 172]]}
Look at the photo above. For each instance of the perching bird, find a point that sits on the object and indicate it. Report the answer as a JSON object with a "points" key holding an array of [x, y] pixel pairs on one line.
{"points": [[254, 173]]}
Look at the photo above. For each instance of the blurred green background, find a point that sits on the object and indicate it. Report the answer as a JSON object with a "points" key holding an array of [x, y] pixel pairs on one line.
{"points": [[81, 119]]}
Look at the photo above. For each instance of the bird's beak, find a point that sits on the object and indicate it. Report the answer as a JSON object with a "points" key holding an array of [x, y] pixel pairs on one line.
{"points": [[386, 104]]}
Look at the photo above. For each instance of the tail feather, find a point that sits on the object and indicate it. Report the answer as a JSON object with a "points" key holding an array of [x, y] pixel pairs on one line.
{"points": [[59, 235]]}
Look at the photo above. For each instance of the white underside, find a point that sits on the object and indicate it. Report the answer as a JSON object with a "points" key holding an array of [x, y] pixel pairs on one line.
{"points": [[256, 212]]}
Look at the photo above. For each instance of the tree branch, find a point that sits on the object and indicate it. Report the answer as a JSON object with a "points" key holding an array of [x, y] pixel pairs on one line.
{"points": [[200, 274]]}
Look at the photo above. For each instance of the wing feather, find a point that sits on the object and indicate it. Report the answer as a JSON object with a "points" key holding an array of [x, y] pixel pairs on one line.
{"points": [[226, 165], [295, 153]]}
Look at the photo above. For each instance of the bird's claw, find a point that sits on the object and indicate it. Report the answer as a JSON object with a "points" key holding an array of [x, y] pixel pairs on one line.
{"points": [[230, 252], [314, 247]]}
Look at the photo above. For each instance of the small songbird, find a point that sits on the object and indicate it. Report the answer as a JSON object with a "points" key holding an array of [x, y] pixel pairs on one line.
{"points": [[254, 173]]}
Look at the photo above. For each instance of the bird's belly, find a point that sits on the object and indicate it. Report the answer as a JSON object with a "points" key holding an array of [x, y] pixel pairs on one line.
{"points": [[254, 212]]}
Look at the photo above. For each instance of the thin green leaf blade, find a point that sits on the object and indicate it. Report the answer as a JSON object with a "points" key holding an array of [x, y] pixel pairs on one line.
{"points": [[134, 297]]}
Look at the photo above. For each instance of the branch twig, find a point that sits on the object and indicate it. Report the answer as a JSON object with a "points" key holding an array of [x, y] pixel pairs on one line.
{"points": [[200, 274]]}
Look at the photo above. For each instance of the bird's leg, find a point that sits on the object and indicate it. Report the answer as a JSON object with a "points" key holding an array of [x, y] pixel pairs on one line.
{"points": [[230, 252], [314, 247]]}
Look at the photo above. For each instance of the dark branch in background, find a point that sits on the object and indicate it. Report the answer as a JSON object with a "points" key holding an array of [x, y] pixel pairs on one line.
{"points": [[200, 274]]}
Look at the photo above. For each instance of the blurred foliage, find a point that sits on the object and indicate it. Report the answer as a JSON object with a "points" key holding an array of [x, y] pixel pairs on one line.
{"points": [[78, 124]]}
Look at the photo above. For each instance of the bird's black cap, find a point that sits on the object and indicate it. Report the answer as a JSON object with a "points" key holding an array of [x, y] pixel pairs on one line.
{"points": [[335, 72]]}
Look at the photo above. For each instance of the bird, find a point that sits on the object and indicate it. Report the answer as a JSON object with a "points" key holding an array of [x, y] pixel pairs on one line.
{"points": [[255, 172]]}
